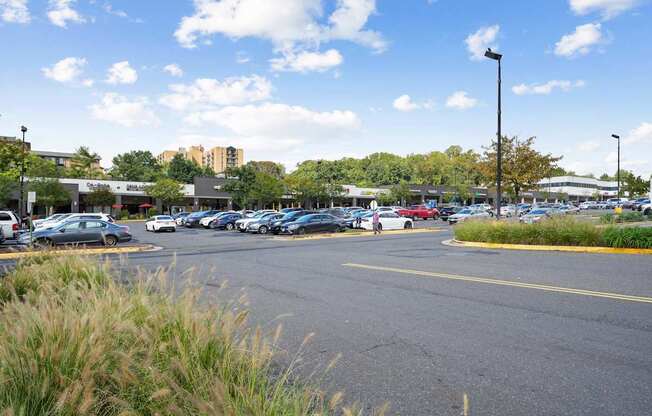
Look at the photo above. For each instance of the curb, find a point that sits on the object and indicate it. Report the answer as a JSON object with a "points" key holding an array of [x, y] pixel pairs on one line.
{"points": [[80, 252], [570, 249], [356, 234]]}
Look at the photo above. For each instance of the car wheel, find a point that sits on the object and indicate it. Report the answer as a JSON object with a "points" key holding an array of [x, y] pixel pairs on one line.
{"points": [[229, 227], [212, 225], [407, 225], [435, 217], [648, 211], [301, 231], [110, 240], [174, 230], [263, 229]]}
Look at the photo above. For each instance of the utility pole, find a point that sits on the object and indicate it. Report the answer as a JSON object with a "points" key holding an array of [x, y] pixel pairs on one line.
{"points": [[617, 137], [21, 197], [499, 165]]}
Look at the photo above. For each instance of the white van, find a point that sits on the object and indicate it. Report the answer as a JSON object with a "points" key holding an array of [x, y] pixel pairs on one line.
{"points": [[10, 224]]}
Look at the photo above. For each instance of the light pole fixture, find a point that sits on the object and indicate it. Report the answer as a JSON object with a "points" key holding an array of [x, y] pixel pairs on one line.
{"points": [[21, 197], [499, 165], [617, 137]]}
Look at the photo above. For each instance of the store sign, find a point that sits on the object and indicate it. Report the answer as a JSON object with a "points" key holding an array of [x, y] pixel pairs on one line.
{"points": [[95, 186], [135, 188]]}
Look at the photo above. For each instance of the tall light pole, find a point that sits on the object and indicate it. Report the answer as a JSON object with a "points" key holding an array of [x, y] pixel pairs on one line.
{"points": [[499, 165], [617, 137], [21, 210]]}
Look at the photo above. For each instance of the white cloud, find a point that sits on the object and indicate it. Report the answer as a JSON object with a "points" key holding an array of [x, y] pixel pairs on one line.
{"points": [[60, 12], [277, 120], [607, 8], [588, 146], [241, 57], [307, 61], [547, 88], [404, 103], [642, 133], [118, 109], [14, 11], [121, 73], [284, 22], [579, 42], [612, 159], [174, 70], [205, 91], [66, 70], [478, 42], [88, 83], [460, 100]]}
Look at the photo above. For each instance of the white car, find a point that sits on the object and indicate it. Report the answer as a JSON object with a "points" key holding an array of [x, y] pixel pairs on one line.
{"points": [[241, 224], [466, 214], [9, 224], [54, 217], [537, 215], [205, 222], [68, 217], [388, 220], [508, 210], [646, 209], [161, 223]]}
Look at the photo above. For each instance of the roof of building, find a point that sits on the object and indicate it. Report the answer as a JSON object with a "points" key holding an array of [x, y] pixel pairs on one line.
{"points": [[47, 153]]}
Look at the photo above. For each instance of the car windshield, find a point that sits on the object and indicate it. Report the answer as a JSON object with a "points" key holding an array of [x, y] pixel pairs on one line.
{"points": [[306, 218], [538, 212], [466, 211], [197, 214], [293, 214], [164, 218]]}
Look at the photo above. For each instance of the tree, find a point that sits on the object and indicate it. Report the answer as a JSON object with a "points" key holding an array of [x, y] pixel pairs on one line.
{"points": [[633, 185], [266, 189], [183, 170], [84, 164], [271, 168], [8, 186], [100, 197], [137, 165], [239, 184], [49, 193], [523, 166], [166, 190], [400, 192]]}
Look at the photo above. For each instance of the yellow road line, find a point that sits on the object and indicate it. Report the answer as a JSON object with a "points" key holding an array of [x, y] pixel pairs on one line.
{"points": [[356, 234], [572, 249], [582, 292], [74, 252]]}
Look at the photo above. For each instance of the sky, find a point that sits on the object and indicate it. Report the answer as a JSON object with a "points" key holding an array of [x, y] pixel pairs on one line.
{"points": [[289, 80]]}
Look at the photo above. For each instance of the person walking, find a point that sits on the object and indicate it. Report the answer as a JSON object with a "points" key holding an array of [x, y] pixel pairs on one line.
{"points": [[376, 222]]}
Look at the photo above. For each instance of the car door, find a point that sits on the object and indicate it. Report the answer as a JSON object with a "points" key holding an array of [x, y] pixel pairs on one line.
{"points": [[93, 232], [390, 221], [69, 233], [314, 224]]}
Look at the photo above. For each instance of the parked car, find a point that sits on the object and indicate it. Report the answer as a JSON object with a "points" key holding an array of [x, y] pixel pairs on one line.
{"points": [[615, 202], [508, 210], [78, 231], [446, 212], [193, 219], [536, 215], [335, 211], [569, 209], [70, 217], [289, 217], [646, 209], [466, 214], [51, 218], [639, 203], [180, 217], [286, 210], [207, 221], [386, 221], [9, 224], [226, 221], [419, 212], [313, 223], [2, 236], [161, 223], [241, 224], [264, 223]]}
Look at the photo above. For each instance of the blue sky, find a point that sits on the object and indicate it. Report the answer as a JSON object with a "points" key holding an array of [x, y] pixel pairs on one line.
{"points": [[290, 80]]}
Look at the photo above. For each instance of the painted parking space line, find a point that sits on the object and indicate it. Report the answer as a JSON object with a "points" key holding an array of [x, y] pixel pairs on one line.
{"points": [[499, 282], [354, 234]]}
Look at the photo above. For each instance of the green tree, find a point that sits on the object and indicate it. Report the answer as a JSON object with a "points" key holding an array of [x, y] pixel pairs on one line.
{"points": [[633, 185], [239, 184], [100, 197], [137, 165], [183, 170], [400, 192], [266, 189], [274, 169], [8, 186], [49, 193], [166, 190], [523, 166], [85, 164]]}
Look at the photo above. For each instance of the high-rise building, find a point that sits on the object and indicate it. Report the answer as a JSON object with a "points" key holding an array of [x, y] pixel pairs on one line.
{"points": [[217, 158], [221, 158]]}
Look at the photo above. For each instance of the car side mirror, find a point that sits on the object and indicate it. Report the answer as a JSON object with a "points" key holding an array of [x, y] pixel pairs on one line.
{"points": [[62, 230]]}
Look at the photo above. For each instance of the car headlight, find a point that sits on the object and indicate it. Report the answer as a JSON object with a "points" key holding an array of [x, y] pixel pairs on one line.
{"points": [[293, 226]]}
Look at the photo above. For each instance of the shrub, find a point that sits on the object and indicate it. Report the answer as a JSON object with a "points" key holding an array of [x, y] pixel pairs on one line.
{"points": [[77, 342], [624, 217], [628, 237], [151, 212], [124, 214]]}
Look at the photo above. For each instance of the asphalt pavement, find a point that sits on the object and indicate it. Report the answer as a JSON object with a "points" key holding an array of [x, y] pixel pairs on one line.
{"points": [[420, 324]]}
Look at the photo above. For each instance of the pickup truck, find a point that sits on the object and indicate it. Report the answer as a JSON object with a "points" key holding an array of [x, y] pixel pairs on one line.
{"points": [[419, 212]]}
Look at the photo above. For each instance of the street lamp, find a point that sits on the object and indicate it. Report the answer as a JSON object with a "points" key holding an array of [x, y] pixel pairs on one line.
{"points": [[499, 168], [21, 211], [617, 137]]}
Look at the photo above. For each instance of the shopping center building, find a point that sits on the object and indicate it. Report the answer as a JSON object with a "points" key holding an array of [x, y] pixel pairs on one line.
{"points": [[580, 188]]}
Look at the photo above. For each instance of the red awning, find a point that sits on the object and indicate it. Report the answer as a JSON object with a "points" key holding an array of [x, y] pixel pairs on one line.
{"points": [[145, 206], [117, 206]]}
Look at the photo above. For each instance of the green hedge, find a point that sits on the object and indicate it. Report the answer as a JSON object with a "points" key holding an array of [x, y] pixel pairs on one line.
{"points": [[624, 217], [561, 231], [75, 342]]}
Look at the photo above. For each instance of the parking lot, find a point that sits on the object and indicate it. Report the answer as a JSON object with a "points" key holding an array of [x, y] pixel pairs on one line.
{"points": [[420, 324]]}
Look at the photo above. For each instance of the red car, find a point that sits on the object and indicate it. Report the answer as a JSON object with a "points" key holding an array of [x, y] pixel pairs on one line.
{"points": [[419, 211]]}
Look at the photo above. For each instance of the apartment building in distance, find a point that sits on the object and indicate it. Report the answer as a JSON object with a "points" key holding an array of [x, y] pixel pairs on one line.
{"points": [[60, 159], [217, 158]]}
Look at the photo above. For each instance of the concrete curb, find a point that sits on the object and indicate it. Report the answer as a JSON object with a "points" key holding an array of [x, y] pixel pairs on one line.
{"points": [[80, 251], [355, 234], [526, 247]]}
